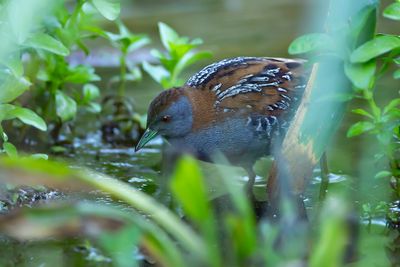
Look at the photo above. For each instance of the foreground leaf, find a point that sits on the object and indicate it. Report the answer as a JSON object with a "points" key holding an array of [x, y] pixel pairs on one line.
{"points": [[48, 43], [361, 75], [310, 43], [12, 87], [110, 9], [66, 107], [168, 35], [360, 128], [29, 117], [376, 47], [392, 11]]}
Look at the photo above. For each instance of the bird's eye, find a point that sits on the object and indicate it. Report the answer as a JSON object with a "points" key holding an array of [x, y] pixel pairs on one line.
{"points": [[166, 118]]}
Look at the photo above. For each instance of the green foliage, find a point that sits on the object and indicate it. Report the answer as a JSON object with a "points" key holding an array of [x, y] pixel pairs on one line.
{"points": [[181, 52], [126, 42], [392, 11], [365, 64], [45, 33], [148, 224]]}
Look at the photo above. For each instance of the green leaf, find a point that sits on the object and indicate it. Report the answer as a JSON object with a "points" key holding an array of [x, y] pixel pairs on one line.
{"points": [[359, 128], [66, 107], [363, 25], [40, 156], [4, 136], [392, 104], [310, 43], [168, 35], [361, 75], [376, 47], [48, 43], [383, 174], [81, 74], [120, 244], [14, 63], [10, 149], [94, 107], [90, 92], [156, 72], [11, 86], [29, 117], [362, 112], [392, 11], [396, 74], [110, 9], [190, 58], [188, 187]]}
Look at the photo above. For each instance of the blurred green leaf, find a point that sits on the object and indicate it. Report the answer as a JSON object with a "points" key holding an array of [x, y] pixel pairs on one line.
{"points": [[331, 243], [3, 135], [310, 43], [168, 35], [359, 128], [14, 63], [383, 174], [27, 116], [135, 72], [40, 156], [396, 74], [48, 43], [361, 75], [188, 187], [156, 72], [375, 47], [190, 58], [10, 149], [392, 11], [362, 112], [363, 24], [66, 107], [110, 9], [392, 104], [11, 86], [81, 74], [90, 92], [94, 107], [121, 244]]}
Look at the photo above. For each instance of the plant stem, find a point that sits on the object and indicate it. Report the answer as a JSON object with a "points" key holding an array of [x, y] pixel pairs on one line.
{"points": [[122, 82], [324, 177]]}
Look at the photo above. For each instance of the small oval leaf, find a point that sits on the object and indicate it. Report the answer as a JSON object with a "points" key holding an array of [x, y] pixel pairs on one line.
{"points": [[396, 74], [109, 9], [168, 35], [361, 75], [65, 106], [392, 11], [383, 174], [309, 43], [376, 47], [29, 117], [10, 149], [362, 112], [359, 128], [46, 42]]}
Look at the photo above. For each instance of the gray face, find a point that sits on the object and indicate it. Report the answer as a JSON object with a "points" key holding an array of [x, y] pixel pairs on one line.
{"points": [[174, 121]]}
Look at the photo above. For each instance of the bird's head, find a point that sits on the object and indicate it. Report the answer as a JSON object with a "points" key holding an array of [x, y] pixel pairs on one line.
{"points": [[169, 115]]}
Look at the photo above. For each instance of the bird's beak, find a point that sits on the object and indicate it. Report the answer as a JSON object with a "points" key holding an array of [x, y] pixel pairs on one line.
{"points": [[148, 135]]}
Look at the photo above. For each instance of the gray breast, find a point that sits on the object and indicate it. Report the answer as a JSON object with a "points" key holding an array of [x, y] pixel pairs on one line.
{"points": [[234, 138]]}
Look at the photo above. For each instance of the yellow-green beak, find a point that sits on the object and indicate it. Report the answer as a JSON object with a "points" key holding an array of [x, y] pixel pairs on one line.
{"points": [[148, 135]]}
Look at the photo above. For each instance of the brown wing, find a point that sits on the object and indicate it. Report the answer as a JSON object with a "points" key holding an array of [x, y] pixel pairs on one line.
{"points": [[263, 89]]}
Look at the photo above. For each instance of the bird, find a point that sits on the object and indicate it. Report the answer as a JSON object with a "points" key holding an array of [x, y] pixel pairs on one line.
{"points": [[237, 107]]}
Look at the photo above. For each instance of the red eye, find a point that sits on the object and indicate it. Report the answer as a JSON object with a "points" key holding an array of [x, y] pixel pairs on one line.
{"points": [[166, 118]]}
